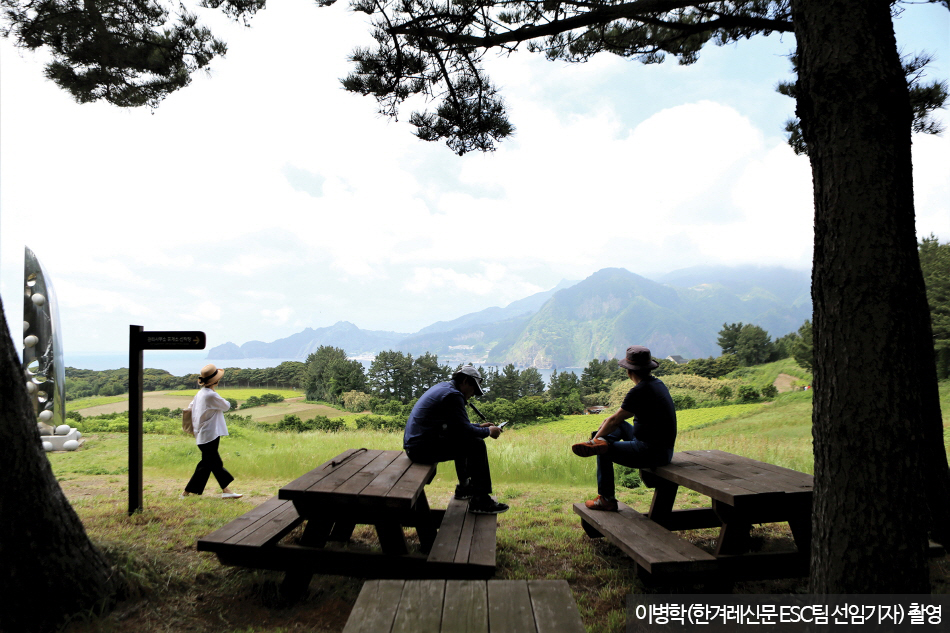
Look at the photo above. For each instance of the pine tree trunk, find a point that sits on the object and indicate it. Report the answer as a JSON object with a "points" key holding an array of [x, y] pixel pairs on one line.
{"points": [[876, 422], [48, 562]]}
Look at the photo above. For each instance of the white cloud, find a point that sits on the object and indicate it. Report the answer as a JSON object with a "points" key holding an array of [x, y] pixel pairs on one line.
{"points": [[202, 312], [185, 217], [278, 316]]}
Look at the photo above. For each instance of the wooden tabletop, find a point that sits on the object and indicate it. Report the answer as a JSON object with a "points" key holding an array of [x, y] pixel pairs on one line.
{"points": [[361, 477], [733, 479], [459, 606]]}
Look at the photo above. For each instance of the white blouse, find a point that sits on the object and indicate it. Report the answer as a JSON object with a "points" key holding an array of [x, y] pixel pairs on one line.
{"points": [[207, 415]]}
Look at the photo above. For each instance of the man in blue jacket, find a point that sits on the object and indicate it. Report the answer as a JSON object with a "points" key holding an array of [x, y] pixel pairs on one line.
{"points": [[439, 430]]}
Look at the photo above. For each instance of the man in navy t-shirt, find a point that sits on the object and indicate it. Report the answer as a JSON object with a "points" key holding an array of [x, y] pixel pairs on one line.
{"points": [[648, 443], [439, 430]]}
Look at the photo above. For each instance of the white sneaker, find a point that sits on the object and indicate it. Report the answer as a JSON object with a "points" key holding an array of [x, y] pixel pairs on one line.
{"points": [[231, 495]]}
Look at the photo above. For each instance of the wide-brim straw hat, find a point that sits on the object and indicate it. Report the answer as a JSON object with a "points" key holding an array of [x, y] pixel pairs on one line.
{"points": [[210, 375]]}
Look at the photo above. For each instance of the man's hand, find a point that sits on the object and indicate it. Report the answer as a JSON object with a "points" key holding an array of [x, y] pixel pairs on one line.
{"points": [[494, 431], [484, 424]]}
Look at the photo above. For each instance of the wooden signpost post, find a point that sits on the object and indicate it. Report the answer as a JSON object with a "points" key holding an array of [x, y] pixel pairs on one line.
{"points": [[140, 340]]}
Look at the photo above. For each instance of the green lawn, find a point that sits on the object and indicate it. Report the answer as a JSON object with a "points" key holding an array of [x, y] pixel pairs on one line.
{"points": [[533, 470]]}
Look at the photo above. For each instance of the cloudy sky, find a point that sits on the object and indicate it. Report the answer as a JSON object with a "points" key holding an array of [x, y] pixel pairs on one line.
{"points": [[263, 199]]}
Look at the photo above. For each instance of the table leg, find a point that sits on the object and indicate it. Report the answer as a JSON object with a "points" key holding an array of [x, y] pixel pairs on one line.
{"points": [[664, 494], [427, 528], [316, 532], [391, 538], [801, 532], [295, 584], [734, 533]]}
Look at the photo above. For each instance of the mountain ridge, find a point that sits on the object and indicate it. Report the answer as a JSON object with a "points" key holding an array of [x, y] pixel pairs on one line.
{"points": [[678, 313]]}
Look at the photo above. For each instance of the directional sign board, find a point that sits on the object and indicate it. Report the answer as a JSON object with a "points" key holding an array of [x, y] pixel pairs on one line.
{"points": [[140, 340], [171, 340]]}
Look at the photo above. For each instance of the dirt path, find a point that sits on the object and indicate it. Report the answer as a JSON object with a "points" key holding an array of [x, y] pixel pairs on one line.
{"points": [[784, 382]]}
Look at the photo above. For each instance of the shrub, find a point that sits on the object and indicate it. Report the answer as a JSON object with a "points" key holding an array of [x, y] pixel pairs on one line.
{"points": [[119, 423], [708, 386], [599, 399], [253, 401], [628, 477], [724, 392], [74, 415], [379, 423], [769, 391], [390, 408], [325, 424], [748, 393], [293, 424], [356, 401], [683, 401], [267, 398]]}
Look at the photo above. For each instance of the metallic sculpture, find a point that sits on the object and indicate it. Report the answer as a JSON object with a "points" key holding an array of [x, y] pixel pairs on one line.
{"points": [[43, 366]]}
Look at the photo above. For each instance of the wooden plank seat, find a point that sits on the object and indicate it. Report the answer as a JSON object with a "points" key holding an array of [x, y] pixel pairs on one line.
{"points": [[660, 555], [466, 539], [473, 606], [464, 547], [262, 527]]}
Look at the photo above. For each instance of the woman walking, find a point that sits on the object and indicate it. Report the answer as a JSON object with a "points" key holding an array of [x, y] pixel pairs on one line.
{"points": [[207, 415]]}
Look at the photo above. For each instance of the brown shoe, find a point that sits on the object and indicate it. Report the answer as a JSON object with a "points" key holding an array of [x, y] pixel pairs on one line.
{"points": [[590, 447], [602, 504]]}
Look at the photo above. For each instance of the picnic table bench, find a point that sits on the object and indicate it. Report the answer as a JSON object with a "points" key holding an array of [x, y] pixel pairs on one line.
{"points": [[381, 488], [742, 492], [474, 606]]}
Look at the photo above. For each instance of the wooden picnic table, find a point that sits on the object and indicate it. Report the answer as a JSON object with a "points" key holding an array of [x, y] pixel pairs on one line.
{"points": [[453, 606], [360, 486], [742, 492]]}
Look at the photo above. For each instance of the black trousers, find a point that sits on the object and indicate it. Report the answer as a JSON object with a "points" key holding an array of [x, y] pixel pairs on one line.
{"points": [[210, 464], [470, 457]]}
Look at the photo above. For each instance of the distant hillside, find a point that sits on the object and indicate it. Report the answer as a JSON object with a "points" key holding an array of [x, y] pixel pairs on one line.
{"points": [[343, 334], [515, 309], [679, 313], [614, 308]]}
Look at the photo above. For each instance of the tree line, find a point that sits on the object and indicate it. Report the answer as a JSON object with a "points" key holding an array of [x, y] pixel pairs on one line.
{"points": [[85, 383]]}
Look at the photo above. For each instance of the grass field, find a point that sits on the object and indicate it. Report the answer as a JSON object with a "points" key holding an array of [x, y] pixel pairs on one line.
{"points": [[176, 588], [180, 399]]}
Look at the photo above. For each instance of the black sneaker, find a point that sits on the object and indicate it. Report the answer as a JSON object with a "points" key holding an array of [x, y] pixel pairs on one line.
{"points": [[486, 505]]}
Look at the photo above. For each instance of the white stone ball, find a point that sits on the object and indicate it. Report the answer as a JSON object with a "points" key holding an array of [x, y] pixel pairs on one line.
{"points": [[26, 326], [70, 445], [63, 429], [38, 299], [78, 434], [30, 387], [48, 446], [45, 416], [31, 340]]}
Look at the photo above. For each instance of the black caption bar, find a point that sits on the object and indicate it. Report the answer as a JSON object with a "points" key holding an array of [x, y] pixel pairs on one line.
{"points": [[775, 613]]}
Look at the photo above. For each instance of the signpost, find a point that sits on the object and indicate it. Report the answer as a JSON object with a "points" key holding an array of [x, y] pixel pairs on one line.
{"points": [[140, 340]]}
